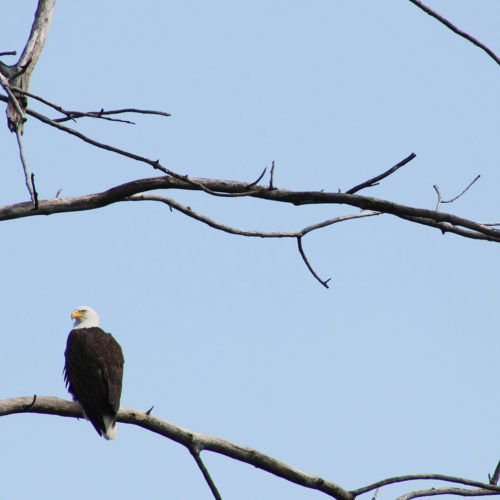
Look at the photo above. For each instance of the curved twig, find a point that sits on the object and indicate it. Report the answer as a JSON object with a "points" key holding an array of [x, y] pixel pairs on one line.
{"points": [[451, 200], [311, 270], [172, 204]]}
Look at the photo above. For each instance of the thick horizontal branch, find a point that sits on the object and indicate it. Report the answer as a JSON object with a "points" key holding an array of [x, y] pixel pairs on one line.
{"points": [[443, 221], [196, 443], [189, 439]]}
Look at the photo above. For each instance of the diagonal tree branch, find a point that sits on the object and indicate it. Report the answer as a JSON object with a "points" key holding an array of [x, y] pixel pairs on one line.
{"points": [[27, 176], [456, 30], [189, 439], [206, 474], [374, 181]]}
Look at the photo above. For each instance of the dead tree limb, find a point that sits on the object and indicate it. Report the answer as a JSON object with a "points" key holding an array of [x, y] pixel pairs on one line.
{"points": [[455, 29], [443, 221], [189, 439], [197, 442], [28, 59]]}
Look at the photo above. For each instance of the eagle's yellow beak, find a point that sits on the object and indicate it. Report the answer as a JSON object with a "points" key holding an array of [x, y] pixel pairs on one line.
{"points": [[76, 314]]}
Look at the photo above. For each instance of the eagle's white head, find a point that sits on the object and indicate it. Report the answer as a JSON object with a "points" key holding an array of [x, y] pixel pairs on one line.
{"points": [[85, 317]]}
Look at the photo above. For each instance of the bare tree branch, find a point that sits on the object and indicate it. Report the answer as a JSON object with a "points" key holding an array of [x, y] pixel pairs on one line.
{"points": [[496, 475], [27, 177], [374, 181], [435, 477], [29, 58], [153, 163], [189, 439], [271, 176], [443, 221], [440, 199], [206, 474], [73, 115], [172, 204], [311, 270], [456, 30], [431, 492], [196, 442]]}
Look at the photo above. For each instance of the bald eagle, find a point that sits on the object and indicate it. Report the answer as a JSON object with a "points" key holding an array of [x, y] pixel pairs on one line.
{"points": [[93, 370]]}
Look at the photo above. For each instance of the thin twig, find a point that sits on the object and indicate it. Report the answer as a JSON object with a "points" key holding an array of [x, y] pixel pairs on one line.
{"points": [[271, 180], [172, 204], [35, 194], [456, 30], [73, 115], [463, 192], [340, 218], [311, 270], [440, 198], [103, 113], [12, 98], [451, 200], [8, 53], [27, 177], [30, 405], [206, 474], [496, 475], [254, 183], [374, 181]]}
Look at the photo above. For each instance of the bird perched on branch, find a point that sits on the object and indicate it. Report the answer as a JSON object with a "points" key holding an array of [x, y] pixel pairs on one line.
{"points": [[93, 370]]}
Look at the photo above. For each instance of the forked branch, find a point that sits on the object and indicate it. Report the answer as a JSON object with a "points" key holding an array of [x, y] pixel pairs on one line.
{"points": [[191, 440], [196, 442]]}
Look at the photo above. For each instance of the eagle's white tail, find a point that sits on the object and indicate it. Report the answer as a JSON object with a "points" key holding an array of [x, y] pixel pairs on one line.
{"points": [[110, 425]]}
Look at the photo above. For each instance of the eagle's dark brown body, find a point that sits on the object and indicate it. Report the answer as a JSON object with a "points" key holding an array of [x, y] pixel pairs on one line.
{"points": [[93, 373]]}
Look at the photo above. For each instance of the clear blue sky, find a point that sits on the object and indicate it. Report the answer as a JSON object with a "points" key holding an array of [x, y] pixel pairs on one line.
{"points": [[391, 371]]}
